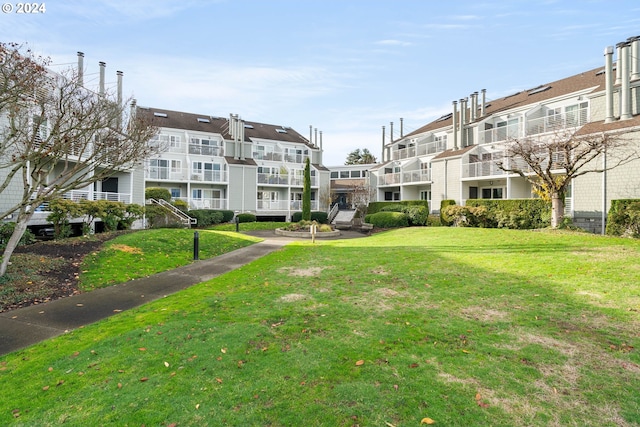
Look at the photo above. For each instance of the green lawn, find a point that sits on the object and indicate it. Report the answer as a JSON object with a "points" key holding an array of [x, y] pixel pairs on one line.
{"points": [[465, 327]]}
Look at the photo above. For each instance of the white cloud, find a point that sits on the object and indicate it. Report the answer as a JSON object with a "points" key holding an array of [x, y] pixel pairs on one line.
{"points": [[393, 43]]}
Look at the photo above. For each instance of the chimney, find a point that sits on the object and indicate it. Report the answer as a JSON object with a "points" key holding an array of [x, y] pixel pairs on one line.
{"points": [[102, 68], [81, 68], [119, 74], [608, 75], [320, 140], [463, 121], [401, 127], [454, 118], [391, 132], [635, 57], [133, 109], [483, 104], [618, 67], [316, 139], [241, 137], [472, 106], [311, 134], [625, 87], [383, 135]]}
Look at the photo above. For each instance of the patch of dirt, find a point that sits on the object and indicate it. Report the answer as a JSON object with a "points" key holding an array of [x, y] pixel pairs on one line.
{"points": [[46, 271], [302, 272]]}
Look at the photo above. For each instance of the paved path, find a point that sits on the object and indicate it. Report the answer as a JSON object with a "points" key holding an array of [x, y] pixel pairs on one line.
{"points": [[25, 326]]}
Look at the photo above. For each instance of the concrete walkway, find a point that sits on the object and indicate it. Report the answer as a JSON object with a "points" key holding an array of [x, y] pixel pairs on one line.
{"points": [[29, 325]]}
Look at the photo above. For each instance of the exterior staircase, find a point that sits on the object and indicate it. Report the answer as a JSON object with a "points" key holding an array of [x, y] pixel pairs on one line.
{"points": [[344, 219], [185, 219]]}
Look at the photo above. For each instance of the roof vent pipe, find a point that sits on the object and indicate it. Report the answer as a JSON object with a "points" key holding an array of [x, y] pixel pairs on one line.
{"points": [[473, 107], [618, 64], [608, 75], [81, 68], [391, 132], [635, 57], [484, 103], [316, 139], [241, 138], [310, 134], [320, 140], [625, 89], [401, 127], [383, 135], [463, 120], [119, 74], [102, 67], [454, 118]]}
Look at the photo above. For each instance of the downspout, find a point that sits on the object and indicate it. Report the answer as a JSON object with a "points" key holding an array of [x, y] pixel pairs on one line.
{"points": [[604, 192], [608, 73]]}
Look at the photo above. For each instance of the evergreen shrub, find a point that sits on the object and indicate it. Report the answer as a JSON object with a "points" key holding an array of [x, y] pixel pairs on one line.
{"points": [[387, 219], [624, 218]]}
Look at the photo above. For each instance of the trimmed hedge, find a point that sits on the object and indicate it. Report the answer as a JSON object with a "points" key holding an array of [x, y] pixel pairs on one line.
{"points": [[418, 215], [157, 193], [387, 219], [375, 207], [206, 217], [246, 217], [521, 214], [317, 216], [623, 218]]}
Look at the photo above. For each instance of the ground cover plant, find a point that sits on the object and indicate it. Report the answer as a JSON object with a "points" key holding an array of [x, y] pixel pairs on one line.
{"points": [[45, 271], [408, 327]]}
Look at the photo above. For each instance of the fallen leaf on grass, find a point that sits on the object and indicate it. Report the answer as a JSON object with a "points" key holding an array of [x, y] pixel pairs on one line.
{"points": [[45, 388], [143, 379], [427, 420], [142, 349], [219, 380], [166, 364], [360, 363]]}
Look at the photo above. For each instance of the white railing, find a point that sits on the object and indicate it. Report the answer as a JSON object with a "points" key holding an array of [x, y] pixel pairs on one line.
{"points": [[257, 155], [419, 150], [209, 203], [183, 217], [272, 205], [266, 178], [390, 179], [206, 150], [298, 181], [481, 169], [416, 176], [296, 205], [209, 176], [557, 122], [498, 134], [333, 211], [166, 173]]}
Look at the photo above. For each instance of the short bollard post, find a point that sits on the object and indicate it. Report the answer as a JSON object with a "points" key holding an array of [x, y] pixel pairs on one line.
{"points": [[237, 224], [196, 246]]}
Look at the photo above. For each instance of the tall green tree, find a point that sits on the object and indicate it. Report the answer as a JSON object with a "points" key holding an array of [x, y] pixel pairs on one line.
{"points": [[306, 194], [360, 157]]}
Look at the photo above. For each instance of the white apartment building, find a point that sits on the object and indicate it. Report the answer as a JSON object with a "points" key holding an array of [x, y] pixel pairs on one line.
{"points": [[455, 156], [233, 164]]}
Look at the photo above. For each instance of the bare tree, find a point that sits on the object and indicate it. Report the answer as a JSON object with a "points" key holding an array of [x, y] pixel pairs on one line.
{"points": [[551, 162], [57, 136]]}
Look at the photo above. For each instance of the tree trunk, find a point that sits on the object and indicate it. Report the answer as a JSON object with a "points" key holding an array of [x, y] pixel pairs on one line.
{"points": [[18, 232], [557, 210]]}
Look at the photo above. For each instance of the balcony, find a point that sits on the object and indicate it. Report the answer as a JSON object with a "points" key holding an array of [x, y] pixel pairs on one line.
{"points": [[297, 181], [418, 176], [557, 122], [209, 176], [206, 150], [265, 178], [422, 149], [258, 155], [205, 203], [390, 179], [481, 169], [168, 174]]}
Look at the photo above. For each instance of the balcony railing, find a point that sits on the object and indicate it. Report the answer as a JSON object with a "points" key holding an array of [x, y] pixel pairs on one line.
{"points": [[163, 173], [257, 155], [419, 150], [500, 133], [416, 176], [272, 205], [206, 150], [296, 205], [481, 169], [556, 122], [297, 181], [265, 178], [206, 203], [209, 176], [390, 179]]}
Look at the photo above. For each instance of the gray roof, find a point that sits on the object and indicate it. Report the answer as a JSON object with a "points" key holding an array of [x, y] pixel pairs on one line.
{"points": [[212, 124]]}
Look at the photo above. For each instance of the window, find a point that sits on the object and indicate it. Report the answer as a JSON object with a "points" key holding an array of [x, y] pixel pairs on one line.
{"points": [[492, 193], [576, 114], [425, 195], [196, 193], [355, 174], [334, 175], [176, 166], [344, 174], [175, 193]]}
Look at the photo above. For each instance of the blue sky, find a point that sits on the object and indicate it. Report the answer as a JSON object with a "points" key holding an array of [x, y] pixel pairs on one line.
{"points": [[347, 67]]}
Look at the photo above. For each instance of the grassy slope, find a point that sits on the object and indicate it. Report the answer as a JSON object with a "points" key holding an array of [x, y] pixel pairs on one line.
{"points": [[464, 326]]}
